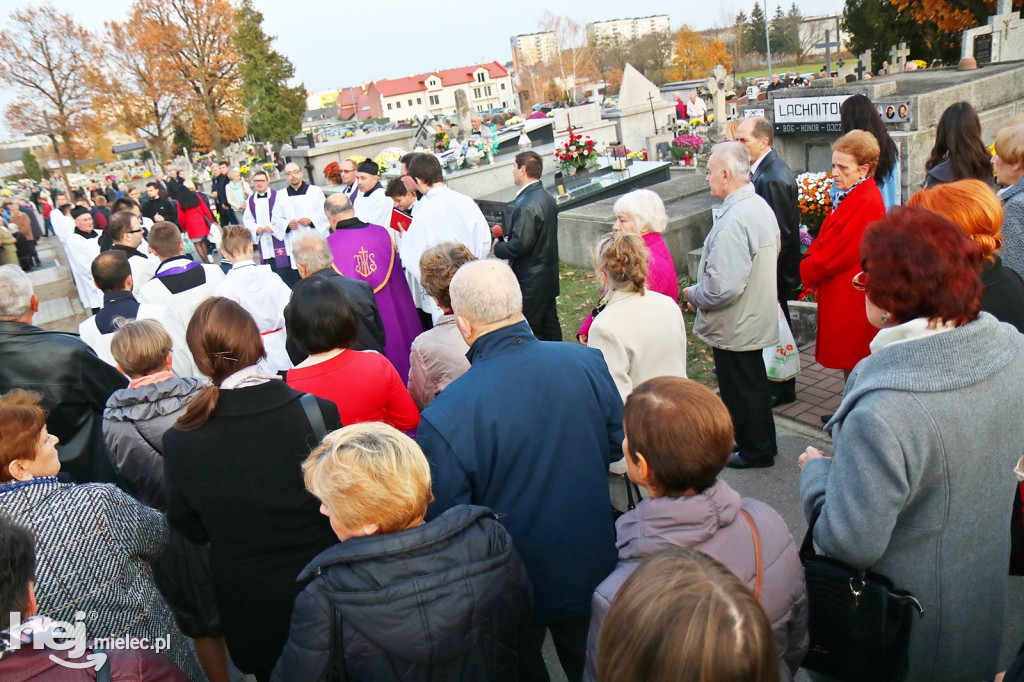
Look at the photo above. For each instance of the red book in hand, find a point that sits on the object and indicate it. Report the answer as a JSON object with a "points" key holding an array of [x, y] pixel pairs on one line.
{"points": [[399, 220]]}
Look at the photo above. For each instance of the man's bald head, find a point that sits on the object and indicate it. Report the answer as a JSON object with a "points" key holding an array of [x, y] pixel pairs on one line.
{"points": [[486, 295], [312, 253], [338, 207], [111, 272]]}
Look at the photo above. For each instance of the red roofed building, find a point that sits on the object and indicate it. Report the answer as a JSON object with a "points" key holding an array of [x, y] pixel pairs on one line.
{"points": [[487, 86], [355, 105]]}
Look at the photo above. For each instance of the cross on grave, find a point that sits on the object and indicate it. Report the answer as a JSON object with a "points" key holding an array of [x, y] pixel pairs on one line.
{"points": [[718, 83], [828, 45], [569, 127], [863, 64], [650, 98], [422, 135], [898, 57], [675, 125]]}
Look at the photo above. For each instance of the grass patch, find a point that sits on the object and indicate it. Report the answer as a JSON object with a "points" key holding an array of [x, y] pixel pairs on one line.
{"points": [[814, 68], [579, 294]]}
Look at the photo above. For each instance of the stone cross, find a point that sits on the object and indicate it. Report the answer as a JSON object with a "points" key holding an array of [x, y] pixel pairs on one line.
{"points": [[898, 57], [718, 83], [422, 136], [863, 64], [828, 45]]}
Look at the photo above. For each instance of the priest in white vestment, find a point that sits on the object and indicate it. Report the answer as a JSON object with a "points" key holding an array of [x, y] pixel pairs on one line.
{"points": [[261, 292], [304, 205], [265, 218], [444, 215], [82, 246]]}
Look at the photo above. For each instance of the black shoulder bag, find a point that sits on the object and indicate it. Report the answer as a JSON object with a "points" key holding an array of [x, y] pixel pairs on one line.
{"points": [[859, 623]]}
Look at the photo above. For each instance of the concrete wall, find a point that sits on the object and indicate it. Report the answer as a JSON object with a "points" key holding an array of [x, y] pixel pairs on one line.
{"points": [[688, 203], [362, 145], [489, 178]]}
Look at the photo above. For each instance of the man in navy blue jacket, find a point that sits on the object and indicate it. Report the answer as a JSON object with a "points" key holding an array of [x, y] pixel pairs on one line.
{"points": [[529, 431]]}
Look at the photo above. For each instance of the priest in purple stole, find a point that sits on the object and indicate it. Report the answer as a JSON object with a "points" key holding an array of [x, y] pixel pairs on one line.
{"points": [[367, 252]]}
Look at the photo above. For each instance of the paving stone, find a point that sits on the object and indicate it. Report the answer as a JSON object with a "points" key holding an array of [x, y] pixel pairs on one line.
{"points": [[43, 276], [54, 309]]}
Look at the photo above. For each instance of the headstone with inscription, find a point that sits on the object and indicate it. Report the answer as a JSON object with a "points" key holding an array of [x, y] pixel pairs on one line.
{"points": [[1000, 40]]}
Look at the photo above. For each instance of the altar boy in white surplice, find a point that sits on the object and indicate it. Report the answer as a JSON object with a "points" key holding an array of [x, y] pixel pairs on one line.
{"points": [[264, 216], [260, 291]]}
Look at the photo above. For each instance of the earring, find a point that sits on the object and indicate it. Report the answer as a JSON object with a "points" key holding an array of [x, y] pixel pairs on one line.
{"points": [[885, 318]]}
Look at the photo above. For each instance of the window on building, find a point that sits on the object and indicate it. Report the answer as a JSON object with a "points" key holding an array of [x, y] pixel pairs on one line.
{"points": [[389, 106], [410, 103], [419, 100], [435, 100], [481, 77], [488, 89], [502, 86], [398, 105], [476, 93]]}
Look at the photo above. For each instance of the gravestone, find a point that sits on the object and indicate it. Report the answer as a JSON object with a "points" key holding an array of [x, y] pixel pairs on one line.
{"points": [[827, 46], [641, 107], [463, 113], [844, 69], [719, 83], [586, 120], [1000, 40], [863, 64], [898, 58]]}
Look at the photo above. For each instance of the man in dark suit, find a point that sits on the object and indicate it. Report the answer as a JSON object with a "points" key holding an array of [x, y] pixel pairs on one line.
{"points": [[531, 247], [313, 258], [776, 184], [220, 194]]}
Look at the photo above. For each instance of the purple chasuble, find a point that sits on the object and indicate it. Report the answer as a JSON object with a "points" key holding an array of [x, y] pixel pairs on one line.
{"points": [[368, 254], [281, 258]]}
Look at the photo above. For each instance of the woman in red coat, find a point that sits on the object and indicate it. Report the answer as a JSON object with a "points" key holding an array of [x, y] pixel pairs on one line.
{"points": [[833, 259], [194, 217]]}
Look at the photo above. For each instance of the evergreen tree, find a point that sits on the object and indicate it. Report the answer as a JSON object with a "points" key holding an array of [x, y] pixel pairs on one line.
{"points": [[275, 109], [780, 33], [739, 31], [754, 38], [32, 169]]}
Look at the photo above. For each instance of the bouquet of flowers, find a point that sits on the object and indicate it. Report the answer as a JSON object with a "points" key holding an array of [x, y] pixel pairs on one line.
{"points": [[441, 140], [515, 120], [389, 158], [815, 200], [639, 156], [269, 166], [332, 172], [147, 174], [686, 145], [576, 152]]}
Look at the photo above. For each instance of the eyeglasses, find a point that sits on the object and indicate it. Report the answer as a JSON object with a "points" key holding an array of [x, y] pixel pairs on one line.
{"points": [[132, 231], [860, 281]]}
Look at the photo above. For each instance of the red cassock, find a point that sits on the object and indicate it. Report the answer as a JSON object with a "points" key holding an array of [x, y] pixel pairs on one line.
{"points": [[830, 264]]}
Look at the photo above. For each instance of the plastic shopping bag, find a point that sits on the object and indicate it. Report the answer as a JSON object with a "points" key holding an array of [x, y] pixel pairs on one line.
{"points": [[782, 361]]}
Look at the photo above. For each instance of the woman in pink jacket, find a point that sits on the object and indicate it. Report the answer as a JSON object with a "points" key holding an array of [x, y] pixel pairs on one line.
{"points": [[690, 507], [642, 212]]}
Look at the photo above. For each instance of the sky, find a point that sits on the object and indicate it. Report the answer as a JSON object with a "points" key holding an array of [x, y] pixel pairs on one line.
{"points": [[334, 44]]}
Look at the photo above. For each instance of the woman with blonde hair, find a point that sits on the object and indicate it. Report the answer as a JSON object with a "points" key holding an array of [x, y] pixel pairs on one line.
{"points": [[833, 258], [1008, 163], [400, 599], [718, 630], [234, 480], [975, 209], [642, 212]]}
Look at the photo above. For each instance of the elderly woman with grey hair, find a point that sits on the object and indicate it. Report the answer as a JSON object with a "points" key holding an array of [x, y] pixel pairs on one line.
{"points": [[642, 212]]}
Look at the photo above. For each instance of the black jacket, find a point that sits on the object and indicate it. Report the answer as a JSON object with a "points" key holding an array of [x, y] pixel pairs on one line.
{"points": [[360, 294], [164, 207], [442, 601], [775, 183], [532, 245], [236, 483], [1004, 293], [75, 385]]}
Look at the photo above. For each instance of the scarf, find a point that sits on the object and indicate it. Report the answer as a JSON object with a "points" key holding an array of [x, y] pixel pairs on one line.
{"points": [[151, 379], [843, 193], [253, 375], [918, 328], [26, 634]]}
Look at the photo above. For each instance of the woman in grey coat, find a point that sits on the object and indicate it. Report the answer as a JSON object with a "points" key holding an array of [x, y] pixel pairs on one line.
{"points": [[134, 423], [677, 460], [931, 426]]}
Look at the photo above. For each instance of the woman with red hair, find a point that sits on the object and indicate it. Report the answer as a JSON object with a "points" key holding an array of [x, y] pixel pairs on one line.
{"points": [[921, 484], [833, 258], [975, 209]]}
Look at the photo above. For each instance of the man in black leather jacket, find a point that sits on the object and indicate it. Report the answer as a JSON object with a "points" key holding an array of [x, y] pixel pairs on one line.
{"points": [[75, 384], [531, 247], [776, 184]]}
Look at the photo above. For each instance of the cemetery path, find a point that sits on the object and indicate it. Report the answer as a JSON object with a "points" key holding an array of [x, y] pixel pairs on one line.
{"points": [[818, 392], [60, 310]]}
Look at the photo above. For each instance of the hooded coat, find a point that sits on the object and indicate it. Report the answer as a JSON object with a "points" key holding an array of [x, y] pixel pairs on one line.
{"points": [[710, 522], [442, 601]]}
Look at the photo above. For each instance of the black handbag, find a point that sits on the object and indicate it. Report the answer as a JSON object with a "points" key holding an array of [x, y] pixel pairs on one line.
{"points": [[859, 623]]}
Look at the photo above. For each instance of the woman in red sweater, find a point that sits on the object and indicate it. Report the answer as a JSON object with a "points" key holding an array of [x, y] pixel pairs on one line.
{"points": [[833, 259], [194, 217], [363, 384]]}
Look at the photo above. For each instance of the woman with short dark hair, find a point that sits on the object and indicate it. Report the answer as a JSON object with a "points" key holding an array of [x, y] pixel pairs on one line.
{"points": [[921, 485], [959, 152], [363, 384], [233, 468], [677, 461]]}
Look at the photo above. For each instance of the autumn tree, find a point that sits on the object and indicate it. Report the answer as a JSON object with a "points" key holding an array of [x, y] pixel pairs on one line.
{"points": [[196, 36], [47, 58], [649, 54], [696, 56], [574, 64], [147, 91], [275, 110], [950, 16]]}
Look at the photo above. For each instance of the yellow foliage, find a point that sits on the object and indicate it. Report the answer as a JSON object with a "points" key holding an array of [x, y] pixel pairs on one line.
{"points": [[694, 56]]}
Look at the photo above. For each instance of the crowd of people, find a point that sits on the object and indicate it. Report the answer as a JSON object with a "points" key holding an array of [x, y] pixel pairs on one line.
{"points": [[357, 447]]}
